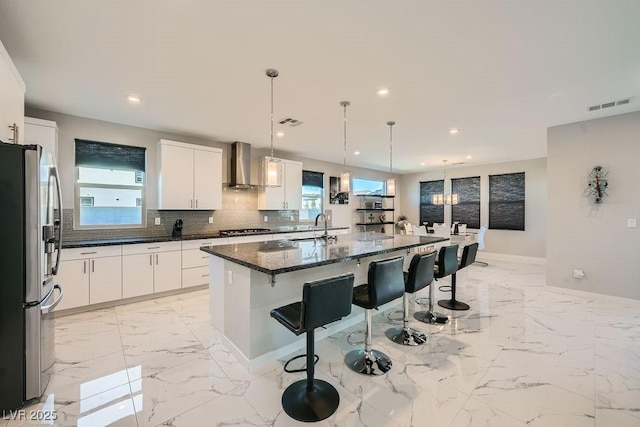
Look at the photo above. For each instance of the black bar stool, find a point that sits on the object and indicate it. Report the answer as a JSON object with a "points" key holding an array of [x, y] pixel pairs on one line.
{"points": [[420, 275], [386, 283], [323, 301], [468, 257]]}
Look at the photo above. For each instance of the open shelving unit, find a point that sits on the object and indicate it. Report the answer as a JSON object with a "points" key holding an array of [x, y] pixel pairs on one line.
{"points": [[377, 213]]}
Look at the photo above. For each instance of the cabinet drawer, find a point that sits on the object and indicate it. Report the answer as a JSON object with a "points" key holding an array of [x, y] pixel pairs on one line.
{"points": [[92, 252], [195, 244], [250, 239], [145, 248], [336, 232], [194, 258], [195, 276]]}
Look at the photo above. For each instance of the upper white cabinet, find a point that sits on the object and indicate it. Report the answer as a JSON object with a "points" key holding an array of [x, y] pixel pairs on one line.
{"points": [[42, 132], [11, 100], [189, 176], [289, 195]]}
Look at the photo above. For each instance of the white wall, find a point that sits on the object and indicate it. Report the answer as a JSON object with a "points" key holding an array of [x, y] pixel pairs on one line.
{"points": [[530, 242], [581, 235]]}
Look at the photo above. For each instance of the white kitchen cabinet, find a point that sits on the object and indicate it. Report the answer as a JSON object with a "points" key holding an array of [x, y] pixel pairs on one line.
{"points": [[90, 276], [289, 195], [195, 263], [12, 90], [151, 267], [189, 176], [43, 133]]}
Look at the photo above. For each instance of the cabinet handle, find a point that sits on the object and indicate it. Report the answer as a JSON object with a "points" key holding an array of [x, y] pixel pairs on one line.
{"points": [[84, 267], [93, 266], [16, 133], [196, 203], [204, 257], [156, 259], [205, 275], [150, 259], [191, 203], [154, 247], [88, 253]]}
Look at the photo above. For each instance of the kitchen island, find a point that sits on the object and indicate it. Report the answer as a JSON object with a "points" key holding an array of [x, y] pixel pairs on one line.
{"points": [[248, 280]]}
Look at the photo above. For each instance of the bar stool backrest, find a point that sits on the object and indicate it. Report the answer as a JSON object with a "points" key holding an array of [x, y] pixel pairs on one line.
{"points": [[385, 280], [468, 255], [326, 300], [420, 272], [447, 260]]}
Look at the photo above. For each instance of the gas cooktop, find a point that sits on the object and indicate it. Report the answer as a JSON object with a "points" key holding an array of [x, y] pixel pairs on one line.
{"points": [[240, 231]]}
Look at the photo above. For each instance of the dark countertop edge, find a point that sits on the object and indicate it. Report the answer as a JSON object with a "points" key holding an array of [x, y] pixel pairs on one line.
{"points": [[322, 263], [133, 240]]}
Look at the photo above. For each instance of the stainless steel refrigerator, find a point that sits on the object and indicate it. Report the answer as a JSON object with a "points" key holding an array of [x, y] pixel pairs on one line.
{"points": [[30, 237]]}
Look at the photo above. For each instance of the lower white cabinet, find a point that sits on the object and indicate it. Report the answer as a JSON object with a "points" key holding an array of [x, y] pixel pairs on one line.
{"points": [[195, 263], [90, 276], [149, 268]]}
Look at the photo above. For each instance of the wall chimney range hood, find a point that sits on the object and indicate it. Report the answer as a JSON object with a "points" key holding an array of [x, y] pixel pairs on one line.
{"points": [[240, 165]]}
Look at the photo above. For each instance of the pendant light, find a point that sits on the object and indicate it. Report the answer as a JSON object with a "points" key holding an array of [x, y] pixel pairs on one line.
{"points": [[391, 182], [345, 176], [272, 167], [444, 198]]}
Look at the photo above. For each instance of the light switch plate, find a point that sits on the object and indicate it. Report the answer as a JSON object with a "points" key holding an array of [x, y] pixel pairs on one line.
{"points": [[631, 223], [210, 220], [266, 218], [157, 222]]}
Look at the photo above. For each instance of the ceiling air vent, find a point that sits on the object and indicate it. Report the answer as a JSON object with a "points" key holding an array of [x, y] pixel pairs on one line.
{"points": [[290, 122], [609, 104]]}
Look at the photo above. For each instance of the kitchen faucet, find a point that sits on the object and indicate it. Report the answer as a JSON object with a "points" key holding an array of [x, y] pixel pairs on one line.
{"points": [[326, 231]]}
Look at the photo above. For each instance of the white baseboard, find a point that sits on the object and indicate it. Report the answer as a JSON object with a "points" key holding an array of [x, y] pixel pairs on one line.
{"points": [[488, 256], [591, 295]]}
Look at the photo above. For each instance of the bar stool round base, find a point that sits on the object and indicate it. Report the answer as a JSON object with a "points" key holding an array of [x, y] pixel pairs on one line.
{"points": [[431, 318], [407, 336], [374, 363], [453, 305], [309, 406]]}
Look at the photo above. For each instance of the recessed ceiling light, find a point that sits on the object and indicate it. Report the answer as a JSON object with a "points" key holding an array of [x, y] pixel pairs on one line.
{"points": [[357, 153], [280, 134], [469, 156], [422, 164], [134, 99], [454, 131], [383, 91]]}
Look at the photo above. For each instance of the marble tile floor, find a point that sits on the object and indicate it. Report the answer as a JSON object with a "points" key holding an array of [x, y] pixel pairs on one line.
{"points": [[523, 355]]}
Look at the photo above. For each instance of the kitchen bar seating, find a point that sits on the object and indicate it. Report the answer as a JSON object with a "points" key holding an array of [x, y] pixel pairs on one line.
{"points": [[420, 275], [468, 257], [323, 301], [385, 283]]}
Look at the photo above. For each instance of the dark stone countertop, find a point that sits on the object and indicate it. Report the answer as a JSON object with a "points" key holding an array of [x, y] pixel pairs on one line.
{"points": [[154, 239], [283, 256]]}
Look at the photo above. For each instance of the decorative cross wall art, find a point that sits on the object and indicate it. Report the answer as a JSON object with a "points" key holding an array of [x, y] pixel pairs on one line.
{"points": [[597, 184]]}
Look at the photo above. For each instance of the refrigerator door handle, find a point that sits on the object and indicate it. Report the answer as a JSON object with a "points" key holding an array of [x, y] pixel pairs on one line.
{"points": [[58, 228], [46, 308]]}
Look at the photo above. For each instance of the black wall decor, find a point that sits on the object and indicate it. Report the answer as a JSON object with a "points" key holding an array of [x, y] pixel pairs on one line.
{"points": [[96, 154], [428, 211], [506, 201], [467, 211]]}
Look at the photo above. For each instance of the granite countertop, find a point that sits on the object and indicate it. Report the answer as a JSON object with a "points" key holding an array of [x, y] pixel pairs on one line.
{"points": [[154, 239], [283, 256]]}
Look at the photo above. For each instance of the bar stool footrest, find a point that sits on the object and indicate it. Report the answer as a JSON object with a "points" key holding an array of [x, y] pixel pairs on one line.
{"points": [[360, 331], [316, 358]]}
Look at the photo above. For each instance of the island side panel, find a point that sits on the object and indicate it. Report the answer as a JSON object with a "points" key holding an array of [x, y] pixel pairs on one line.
{"points": [[216, 291]]}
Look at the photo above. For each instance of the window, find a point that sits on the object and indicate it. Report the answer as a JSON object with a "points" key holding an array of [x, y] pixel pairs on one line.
{"points": [[506, 201], [312, 194], [467, 211], [428, 211], [367, 186], [110, 185]]}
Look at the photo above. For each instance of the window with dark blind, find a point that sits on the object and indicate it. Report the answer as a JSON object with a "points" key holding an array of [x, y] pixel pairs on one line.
{"points": [[506, 201], [109, 185], [312, 194], [467, 211], [428, 211]]}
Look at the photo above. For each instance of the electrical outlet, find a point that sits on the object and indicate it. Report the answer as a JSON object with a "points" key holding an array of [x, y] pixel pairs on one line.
{"points": [[266, 218], [291, 218], [631, 223], [230, 277], [210, 220], [328, 217], [578, 274], [157, 222]]}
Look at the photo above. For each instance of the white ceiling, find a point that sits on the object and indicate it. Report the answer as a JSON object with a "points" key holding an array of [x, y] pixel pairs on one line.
{"points": [[500, 71]]}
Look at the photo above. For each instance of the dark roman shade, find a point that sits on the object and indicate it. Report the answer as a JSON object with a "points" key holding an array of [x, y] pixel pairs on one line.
{"points": [[428, 211], [507, 201], [313, 179], [467, 211], [104, 155]]}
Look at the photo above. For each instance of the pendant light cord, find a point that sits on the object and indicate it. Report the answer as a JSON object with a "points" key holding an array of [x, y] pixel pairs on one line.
{"points": [[272, 118], [345, 104], [391, 123]]}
